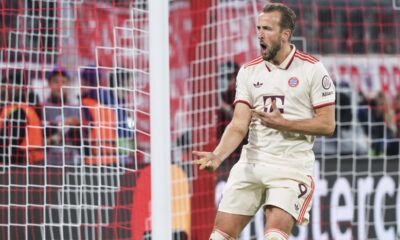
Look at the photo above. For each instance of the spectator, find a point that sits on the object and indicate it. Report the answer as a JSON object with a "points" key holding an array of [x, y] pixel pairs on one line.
{"points": [[101, 141], [62, 120], [363, 112], [181, 148], [227, 83], [394, 144], [227, 73], [21, 136], [397, 114], [344, 115], [346, 134], [381, 128], [121, 82], [89, 83]]}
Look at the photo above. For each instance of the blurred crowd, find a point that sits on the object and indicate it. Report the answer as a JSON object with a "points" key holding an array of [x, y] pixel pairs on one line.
{"points": [[62, 124], [367, 124], [87, 117]]}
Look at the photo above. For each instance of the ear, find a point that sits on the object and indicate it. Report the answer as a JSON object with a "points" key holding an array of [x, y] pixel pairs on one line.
{"points": [[286, 33]]}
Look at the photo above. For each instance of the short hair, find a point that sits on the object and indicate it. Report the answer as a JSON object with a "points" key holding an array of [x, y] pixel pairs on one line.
{"points": [[288, 17], [90, 74], [57, 71]]}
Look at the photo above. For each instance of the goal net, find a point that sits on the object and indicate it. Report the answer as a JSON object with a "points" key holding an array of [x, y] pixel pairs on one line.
{"points": [[75, 120], [74, 111], [356, 172]]}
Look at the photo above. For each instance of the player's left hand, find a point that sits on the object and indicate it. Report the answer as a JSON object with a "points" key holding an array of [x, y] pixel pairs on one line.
{"points": [[272, 119]]}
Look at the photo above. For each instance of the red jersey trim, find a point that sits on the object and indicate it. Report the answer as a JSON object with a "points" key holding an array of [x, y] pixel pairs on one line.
{"points": [[242, 101], [290, 61], [225, 235], [305, 59], [253, 62], [308, 55], [275, 230], [306, 202], [324, 105]]}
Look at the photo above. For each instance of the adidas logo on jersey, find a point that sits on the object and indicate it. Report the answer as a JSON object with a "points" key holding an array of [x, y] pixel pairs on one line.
{"points": [[257, 85]]}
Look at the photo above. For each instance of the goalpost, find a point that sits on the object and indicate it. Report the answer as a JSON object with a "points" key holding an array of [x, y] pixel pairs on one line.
{"points": [[159, 109], [99, 165]]}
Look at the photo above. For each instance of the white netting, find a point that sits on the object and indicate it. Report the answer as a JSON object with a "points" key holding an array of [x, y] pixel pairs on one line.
{"points": [[69, 132], [356, 45], [84, 172]]}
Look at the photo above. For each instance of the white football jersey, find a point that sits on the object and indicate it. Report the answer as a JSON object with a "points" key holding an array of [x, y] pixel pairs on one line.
{"points": [[299, 85]]}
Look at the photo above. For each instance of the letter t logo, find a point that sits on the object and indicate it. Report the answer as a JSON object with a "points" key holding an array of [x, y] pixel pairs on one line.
{"points": [[280, 100]]}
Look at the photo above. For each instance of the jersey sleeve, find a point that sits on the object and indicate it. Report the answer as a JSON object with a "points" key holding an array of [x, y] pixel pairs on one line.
{"points": [[322, 87], [242, 92]]}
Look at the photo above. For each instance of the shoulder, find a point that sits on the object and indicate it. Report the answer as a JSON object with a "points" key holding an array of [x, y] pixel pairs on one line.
{"points": [[306, 58], [311, 65], [253, 63]]}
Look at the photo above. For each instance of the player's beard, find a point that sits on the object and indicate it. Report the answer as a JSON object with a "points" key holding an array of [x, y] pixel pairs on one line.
{"points": [[270, 52]]}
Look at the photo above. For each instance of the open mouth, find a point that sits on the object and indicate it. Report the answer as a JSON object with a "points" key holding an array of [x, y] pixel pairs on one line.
{"points": [[263, 46]]}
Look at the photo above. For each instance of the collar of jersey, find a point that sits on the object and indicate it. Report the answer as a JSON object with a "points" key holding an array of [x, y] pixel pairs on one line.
{"points": [[286, 63]]}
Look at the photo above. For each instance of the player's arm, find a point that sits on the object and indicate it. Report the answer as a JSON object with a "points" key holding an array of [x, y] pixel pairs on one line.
{"points": [[323, 122], [233, 135]]}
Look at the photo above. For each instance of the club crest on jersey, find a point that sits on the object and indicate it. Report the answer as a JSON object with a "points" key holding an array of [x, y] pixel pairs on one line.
{"points": [[293, 82], [326, 82], [257, 84]]}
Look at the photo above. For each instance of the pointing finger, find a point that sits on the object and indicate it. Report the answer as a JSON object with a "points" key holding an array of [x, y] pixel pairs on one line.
{"points": [[199, 153], [274, 108]]}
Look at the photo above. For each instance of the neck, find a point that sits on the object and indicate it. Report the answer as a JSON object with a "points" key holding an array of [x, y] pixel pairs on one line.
{"points": [[282, 54]]}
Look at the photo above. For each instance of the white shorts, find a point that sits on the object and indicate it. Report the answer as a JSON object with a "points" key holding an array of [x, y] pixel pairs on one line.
{"points": [[254, 185]]}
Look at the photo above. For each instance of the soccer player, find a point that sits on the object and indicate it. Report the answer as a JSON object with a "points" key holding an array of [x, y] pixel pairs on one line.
{"points": [[284, 98]]}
